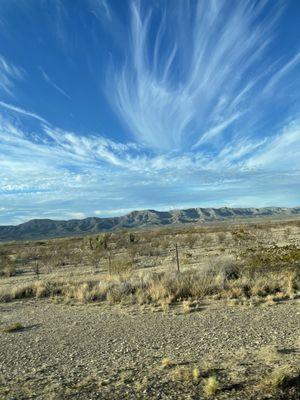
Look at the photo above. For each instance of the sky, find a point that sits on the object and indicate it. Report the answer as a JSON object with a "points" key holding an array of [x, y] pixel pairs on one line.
{"points": [[108, 106]]}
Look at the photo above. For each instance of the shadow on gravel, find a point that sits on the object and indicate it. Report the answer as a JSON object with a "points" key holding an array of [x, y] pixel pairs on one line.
{"points": [[287, 351], [233, 386], [182, 363], [28, 328], [293, 382], [212, 372]]}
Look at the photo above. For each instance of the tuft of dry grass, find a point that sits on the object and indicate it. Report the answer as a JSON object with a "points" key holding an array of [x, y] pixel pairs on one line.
{"points": [[278, 379], [7, 265], [17, 326], [187, 306], [185, 374], [211, 386], [180, 374], [167, 363], [196, 375], [269, 354]]}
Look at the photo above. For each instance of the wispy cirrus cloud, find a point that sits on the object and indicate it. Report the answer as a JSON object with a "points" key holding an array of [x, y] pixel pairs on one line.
{"points": [[280, 153], [53, 84], [200, 75], [9, 73], [21, 111], [59, 174], [284, 70], [67, 152]]}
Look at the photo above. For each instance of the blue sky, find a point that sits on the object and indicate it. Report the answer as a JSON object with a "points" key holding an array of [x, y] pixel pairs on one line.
{"points": [[107, 106]]}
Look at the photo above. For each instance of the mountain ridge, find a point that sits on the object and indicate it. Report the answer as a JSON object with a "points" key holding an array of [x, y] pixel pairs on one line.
{"points": [[48, 228]]}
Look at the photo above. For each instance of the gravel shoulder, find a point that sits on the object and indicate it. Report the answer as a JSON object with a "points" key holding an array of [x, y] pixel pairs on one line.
{"points": [[98, 351]]}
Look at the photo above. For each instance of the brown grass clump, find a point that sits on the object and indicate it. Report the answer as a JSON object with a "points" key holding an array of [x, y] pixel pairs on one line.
{"points": [[167, 363], [211, 386], [17, 326], [7, 265], [278, 379], [181, 374], [187, 306], [269, 354], [196, 375], [121, 265]]}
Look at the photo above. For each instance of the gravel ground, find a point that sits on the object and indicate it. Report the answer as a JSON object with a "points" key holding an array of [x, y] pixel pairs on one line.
{"points": [[98, 351]]}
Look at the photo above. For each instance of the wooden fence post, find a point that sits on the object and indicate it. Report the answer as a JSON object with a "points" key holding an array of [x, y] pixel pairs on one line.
{"points": [[91, 244], [109, 262], [177, 258]]}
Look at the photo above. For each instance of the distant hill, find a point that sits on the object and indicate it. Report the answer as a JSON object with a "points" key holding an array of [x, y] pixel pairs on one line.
{"points": [[47, 228]]}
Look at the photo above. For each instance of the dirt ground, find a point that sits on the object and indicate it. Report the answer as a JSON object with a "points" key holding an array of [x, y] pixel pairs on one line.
{"points": [[115, 352]]}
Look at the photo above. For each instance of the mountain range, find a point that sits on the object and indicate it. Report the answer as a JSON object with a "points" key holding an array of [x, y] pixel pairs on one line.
{"points": [[47, 228]]}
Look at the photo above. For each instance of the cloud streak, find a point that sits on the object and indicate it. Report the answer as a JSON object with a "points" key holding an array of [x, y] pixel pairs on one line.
{"points": [[53, 84], [206, 82], [21, 111], [9, 73]]}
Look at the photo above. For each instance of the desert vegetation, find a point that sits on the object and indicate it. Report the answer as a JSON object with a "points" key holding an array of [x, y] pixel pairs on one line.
{"points": [[246, 263], [218, 272]]}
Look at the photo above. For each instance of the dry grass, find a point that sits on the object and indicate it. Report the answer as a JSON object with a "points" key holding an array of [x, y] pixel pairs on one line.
{"points": [[166, 288], [211, 386], [181, 374], [254, 269], [7, 265], [278, 379], [17, 326], [185, 374], [187, 306], [167, 363], [269, 354], [196, 375]]}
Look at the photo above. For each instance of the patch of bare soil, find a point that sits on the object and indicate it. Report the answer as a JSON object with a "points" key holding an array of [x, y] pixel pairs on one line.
{"points": [[97, 351]]}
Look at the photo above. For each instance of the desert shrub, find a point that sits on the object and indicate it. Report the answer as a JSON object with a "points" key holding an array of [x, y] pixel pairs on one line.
{"points": [[179, 286], [149, 250], [221, 278], [190, 240], [121, 265], [164, 243], [133, 251], [119, 292], [206, 239], [221, 237], [273, 257], [7, 265], [225, 267]]}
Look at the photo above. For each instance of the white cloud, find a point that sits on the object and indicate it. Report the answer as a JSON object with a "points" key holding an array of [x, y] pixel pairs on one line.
{"points": [[281, 73], [222, 72], [75, 215], [9, 73], [53, 84], [281, 152], [216, 130], [19, 110]]}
